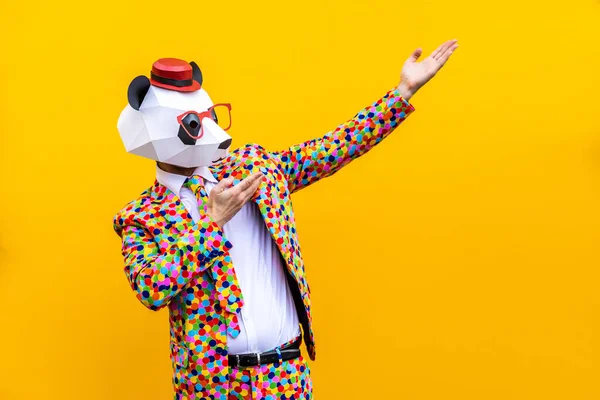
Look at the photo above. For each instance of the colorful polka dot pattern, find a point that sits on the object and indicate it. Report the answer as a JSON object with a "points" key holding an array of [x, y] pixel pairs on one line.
{"points": [[308, 162], [159, 269], [288, 380], [171, 261], [229, 293]]}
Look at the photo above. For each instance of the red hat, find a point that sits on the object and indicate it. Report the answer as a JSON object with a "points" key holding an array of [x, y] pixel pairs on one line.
{"points": [[175, 74]]}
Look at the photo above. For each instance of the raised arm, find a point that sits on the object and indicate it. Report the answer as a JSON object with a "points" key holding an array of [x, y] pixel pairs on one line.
{"points": [[306, 163]]}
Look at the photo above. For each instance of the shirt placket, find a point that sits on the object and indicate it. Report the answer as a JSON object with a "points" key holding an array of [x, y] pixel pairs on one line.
{"points": [[247, 325], [251, 339]]}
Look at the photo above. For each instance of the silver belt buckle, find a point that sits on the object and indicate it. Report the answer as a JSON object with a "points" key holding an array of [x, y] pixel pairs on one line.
{"points": [[237, 359]]}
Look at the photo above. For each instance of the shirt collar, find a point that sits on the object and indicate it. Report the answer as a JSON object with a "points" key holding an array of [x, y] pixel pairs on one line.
{"points": [[174, 182]]}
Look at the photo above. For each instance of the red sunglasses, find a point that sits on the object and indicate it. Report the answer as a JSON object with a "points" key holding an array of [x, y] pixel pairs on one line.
{"points": [[192, 120]]}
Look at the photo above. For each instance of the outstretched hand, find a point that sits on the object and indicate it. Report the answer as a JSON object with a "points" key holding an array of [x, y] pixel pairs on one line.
{"points": [[224, 201], [416, 74]]}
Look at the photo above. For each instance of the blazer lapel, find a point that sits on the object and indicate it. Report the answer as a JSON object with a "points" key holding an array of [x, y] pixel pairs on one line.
{"points": [[264, 196], [264, 200]]}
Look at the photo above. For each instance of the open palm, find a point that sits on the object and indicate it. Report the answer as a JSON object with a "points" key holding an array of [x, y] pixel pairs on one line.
{"points": [[415, 74]]}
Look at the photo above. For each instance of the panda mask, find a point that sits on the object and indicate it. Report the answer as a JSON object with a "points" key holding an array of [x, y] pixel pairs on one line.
{"points": [[171, 119]]}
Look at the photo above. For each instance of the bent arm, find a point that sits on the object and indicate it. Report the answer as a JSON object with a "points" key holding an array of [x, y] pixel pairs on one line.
{"points": [[306, 163], [158, 275]]}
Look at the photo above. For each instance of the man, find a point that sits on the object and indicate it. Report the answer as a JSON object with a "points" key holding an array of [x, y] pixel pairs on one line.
{"points": [[214, 239]]}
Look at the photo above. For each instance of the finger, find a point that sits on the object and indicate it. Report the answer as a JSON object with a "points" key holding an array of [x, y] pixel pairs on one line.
{"points": [[436, 51], [415, 55], [444, 57], [223, 185], [442, 50], [245, 183], [253, 186], [443, 47], [253, 189], [448, 45]]}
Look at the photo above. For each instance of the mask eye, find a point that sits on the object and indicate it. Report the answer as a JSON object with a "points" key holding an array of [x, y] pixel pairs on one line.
{"points": [[214, 116], [190, 126]]}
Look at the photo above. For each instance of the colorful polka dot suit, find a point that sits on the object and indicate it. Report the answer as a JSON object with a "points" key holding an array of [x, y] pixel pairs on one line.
{"points": [[286, 380], [173, 262]]}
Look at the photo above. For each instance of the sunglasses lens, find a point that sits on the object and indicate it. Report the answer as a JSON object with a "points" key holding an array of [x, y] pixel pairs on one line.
{"points": [[222, 116]]}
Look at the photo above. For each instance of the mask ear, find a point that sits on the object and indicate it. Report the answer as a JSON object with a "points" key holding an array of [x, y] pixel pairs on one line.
{"points": [[196, 72], [137, 91]]}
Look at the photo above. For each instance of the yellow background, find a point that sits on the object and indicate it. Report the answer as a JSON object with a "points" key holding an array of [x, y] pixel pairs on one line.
{"points": [[457, 260]]}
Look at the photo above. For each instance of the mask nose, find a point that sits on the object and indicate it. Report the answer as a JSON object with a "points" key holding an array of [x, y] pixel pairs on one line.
{"points": [[225, 144]]}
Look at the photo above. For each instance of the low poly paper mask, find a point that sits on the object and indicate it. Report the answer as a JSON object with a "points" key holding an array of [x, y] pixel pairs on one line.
{"points": [[171, 119]]}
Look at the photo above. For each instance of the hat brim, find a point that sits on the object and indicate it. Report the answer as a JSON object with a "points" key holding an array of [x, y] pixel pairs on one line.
{"points": [[194, 87]]}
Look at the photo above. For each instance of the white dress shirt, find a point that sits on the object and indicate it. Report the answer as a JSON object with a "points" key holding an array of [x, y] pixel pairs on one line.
{"points": [[268, 317]]}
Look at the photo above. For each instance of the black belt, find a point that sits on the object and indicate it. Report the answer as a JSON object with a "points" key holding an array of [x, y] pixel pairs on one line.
{"points": [[288, 352]]}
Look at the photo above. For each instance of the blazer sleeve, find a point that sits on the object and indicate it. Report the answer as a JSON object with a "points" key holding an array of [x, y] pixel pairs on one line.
{"points": [[156, 274], [306, 163]]}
